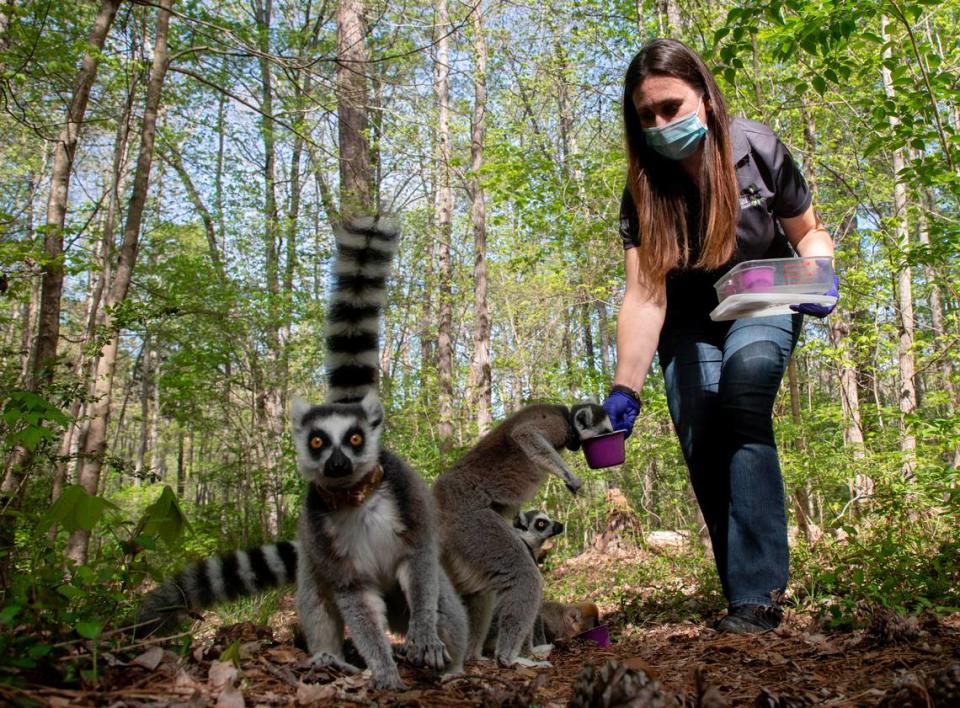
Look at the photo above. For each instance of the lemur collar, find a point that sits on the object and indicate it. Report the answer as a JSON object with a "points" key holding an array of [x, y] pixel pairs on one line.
{"points": [[353, 496]]}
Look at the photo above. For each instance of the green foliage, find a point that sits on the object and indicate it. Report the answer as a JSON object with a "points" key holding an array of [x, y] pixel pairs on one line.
{"points": [[49, 600], [26, 417]]}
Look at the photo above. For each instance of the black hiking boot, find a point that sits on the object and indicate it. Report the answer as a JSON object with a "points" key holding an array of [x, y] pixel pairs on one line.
{"points": [[750, 619]]}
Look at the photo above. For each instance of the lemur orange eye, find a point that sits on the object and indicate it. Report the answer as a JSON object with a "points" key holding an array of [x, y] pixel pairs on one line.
{"points": [[356, 439], [316, 442]]}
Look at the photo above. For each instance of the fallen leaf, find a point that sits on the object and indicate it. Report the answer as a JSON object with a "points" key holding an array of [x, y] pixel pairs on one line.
{"points": [[308, 693], [184, 680], [231, 697], [776, 659], [150, 659], [284, 655], [249, 650], [222, 673], [637, 664]]}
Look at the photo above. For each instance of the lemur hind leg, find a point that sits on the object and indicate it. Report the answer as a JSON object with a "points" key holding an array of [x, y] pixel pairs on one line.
{"points": [[480, 608], [452, 625], [514, 577]]}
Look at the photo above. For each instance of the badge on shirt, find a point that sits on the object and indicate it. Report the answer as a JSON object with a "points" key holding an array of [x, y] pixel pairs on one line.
{"points": [[751, 197]]}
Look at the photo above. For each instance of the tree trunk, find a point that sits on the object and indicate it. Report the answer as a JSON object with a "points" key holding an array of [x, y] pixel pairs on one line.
{"points": [[173, 158], [271, 406], [351, 88], [44, 353], [480, 375], [905, 358], [838, 330], [443, 220], [99, 413], [939, 328], [29, 311], [801, 495], [6, 10]]}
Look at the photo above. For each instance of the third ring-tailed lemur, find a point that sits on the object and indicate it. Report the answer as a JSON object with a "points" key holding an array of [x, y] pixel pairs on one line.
{"points": [[477, 501], [367, 556]]}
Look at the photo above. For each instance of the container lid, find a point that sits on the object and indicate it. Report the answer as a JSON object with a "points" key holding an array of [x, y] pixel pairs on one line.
{"points": [[747, 265], [746, 305]]}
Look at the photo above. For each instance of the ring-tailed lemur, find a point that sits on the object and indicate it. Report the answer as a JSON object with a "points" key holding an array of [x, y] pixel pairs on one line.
{"points": [[535, 528], [367, 555], [477, 501]]}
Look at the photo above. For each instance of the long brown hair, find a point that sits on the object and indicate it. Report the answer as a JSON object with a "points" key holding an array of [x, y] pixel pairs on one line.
{"points": [[656, 183]]}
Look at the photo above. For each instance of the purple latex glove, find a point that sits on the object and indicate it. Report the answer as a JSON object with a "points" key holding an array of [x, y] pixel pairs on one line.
{"points": [[808, 308], [622, 409]]}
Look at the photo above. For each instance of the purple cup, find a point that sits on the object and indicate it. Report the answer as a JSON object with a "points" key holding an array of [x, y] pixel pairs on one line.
{"points": [[600, 635], [756, 278], [605, 450]]}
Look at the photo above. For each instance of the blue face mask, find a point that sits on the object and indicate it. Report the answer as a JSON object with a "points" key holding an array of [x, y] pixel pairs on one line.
{"points": [[679, 138]]}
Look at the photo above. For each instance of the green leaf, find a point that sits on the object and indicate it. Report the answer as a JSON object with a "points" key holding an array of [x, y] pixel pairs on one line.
{"points": [[164, 518], [38, 651], [75, 509], [819, 84], [9, 612], [88, 629], [232, 653]]}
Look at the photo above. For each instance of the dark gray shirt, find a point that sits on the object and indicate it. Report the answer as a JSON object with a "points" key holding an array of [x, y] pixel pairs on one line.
{"points": [[771, 186]]}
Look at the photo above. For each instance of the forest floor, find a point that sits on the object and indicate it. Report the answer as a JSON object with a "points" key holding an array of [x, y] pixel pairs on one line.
{"points": [[683, 662]]}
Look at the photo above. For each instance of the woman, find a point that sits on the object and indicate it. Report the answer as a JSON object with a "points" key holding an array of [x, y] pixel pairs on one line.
{"points": [[703, 193]]}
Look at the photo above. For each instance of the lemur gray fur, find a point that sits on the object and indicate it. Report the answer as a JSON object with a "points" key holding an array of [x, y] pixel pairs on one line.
{"points": [[367, 555], [555, 620], [477, 501], [535, 528]]}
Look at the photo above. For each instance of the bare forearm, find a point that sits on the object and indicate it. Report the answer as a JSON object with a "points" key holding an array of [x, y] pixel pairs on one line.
{"points": [[815, 243], [807, 234], [638, 332]]}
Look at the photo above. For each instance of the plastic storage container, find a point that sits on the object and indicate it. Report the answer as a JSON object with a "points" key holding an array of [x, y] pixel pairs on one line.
{"points": [[768, 287], [605, 450]]}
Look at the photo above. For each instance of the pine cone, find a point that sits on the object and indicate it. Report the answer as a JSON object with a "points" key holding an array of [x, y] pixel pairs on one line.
{"points": [[769, 699], [613, 685], [908, 693], [890, 628], [939, 689], [944, 686]]}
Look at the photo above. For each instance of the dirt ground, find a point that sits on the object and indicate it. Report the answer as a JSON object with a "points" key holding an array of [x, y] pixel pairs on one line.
{"points": [[656, 658], [683, 664]]}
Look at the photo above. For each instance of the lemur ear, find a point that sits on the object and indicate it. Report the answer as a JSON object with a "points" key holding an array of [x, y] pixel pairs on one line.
{"points": [[582, 419], [372, 408], [298, 408]]}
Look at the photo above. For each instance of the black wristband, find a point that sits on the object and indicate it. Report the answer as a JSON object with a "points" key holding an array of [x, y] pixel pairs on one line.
{"points": [[627, 390]]}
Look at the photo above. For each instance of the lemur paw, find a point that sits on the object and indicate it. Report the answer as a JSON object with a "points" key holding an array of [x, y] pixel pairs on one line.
{"points": [[426, 651], [524, 661], [324, 659], [541, 651], [388, 681]]}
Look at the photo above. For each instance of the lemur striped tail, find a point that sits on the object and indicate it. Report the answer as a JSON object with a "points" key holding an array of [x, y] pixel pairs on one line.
{"points": [[365, 249], [215, 580]]}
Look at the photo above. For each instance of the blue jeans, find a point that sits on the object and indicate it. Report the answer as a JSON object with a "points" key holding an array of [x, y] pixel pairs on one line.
{"points": [[722, 379]]}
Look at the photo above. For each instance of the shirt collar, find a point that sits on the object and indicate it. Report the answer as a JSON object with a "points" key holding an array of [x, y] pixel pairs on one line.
{"points": [[741, 146]]}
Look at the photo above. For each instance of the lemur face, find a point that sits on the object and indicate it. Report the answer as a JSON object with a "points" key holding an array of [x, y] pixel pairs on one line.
{"points": [[337, 444], [535, 527], [589, 420]]}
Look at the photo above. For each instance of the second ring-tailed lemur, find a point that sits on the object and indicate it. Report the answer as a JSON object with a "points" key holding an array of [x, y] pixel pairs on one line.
{"points": [[367, 556], [477, 501], [535, 528]]}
